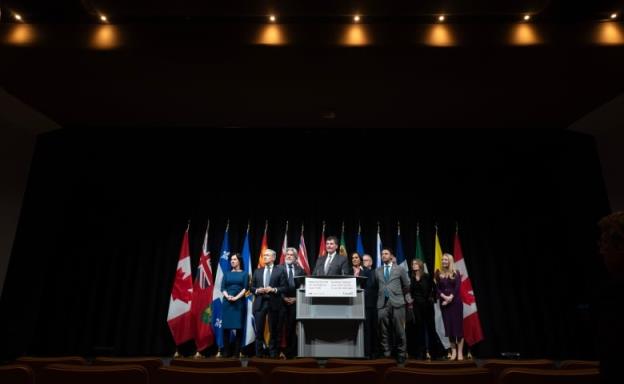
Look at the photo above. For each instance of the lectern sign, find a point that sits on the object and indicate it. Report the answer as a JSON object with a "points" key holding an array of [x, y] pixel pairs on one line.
{"points": [[345, 287]]}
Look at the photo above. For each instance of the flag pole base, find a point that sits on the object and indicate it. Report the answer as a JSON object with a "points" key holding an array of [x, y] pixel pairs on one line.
{"points": [[176, 355], [198, 355]]}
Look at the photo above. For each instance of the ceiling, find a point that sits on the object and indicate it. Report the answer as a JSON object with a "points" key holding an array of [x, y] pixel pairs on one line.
{"points": [[201, 63], [167, 10]]}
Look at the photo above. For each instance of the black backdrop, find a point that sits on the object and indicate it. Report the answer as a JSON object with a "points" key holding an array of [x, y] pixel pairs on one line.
{"points": [[105, 211]]}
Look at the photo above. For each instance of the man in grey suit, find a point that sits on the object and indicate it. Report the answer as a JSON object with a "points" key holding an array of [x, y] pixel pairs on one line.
{"points": [[393, 283], [333, 264]]}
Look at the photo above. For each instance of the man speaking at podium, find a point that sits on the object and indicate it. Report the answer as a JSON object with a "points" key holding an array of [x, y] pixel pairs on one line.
{"points": [[333, 264]]}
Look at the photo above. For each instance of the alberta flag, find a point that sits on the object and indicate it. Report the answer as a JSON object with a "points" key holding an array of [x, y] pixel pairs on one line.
{"points": [[249, 333], [217, 295]]}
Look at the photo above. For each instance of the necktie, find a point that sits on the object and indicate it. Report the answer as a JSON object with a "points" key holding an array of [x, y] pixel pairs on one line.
{"points": [[327, 263], [291, 277], [267, 276], [386, 278]]}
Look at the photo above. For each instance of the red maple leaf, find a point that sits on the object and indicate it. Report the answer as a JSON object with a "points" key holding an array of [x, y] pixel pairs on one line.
{"points": [[181, 288], [467, 294]]}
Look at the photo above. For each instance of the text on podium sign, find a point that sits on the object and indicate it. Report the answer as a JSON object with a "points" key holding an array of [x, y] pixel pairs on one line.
{"points": [[330, 287]]}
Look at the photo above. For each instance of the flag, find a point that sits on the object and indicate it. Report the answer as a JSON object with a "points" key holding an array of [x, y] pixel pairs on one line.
{"points": [[284, 245], [303, 254], [179, 317], [322, 251], [420, 255], [217, 295], [400, 256], [343, 245], [264, 245], [439, 323], [472, 325], [379, 246], [359, 245], [202, 298], [249, 327]]}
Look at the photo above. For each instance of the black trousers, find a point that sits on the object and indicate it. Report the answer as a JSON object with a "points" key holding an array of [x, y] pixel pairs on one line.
{"points": [[371, 341], [288, 322], [260, 317], [231, 346]]}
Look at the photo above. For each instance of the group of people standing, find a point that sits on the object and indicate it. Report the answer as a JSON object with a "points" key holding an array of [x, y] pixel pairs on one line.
{"points": [[394, 300]]}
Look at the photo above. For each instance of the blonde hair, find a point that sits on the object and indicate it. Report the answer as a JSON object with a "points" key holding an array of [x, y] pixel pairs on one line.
{"points": [[450, 271]]}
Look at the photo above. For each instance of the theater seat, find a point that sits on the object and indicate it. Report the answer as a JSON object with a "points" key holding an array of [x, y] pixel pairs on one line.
{"points": [[37, 363], [187, 375], [549, 376], [150, 363], [340, 375], [497, 366], [16, 374], [442, 364], [398, 375], [267, 365], [93, 374], [579, 364], [379, 365], [205, 363]]}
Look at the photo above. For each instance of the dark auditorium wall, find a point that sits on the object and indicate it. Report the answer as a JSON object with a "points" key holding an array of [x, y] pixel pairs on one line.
{"points": [[105, 210]]}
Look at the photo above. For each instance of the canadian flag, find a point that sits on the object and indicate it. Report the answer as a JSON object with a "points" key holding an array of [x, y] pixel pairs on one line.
{"points": [[472, 325], [180, 318]]}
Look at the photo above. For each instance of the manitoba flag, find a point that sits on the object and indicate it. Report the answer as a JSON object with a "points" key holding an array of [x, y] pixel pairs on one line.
{"points": [[179, 318]]}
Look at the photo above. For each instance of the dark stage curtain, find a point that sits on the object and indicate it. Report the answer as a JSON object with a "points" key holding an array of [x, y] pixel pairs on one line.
{"points": [[105, 211]]}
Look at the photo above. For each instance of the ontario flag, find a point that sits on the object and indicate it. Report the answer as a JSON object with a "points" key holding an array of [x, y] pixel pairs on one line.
{"points": [[303, 254], [179, 317], [202, 299], [472, 324]]}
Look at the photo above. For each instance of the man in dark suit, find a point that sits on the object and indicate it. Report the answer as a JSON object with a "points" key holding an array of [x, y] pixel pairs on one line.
{"points": [[392, 284], [370, 301], [288, 313], [267, 285], [333, 263]]}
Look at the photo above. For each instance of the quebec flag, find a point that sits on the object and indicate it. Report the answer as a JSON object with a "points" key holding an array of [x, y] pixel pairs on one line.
{"points": [[217, 294]]}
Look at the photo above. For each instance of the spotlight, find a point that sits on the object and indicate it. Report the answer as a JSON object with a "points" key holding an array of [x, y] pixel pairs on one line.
{"points": [[614, 16], [103, 18], [18, 17], [356, 18], [272, 18], [527, 17], [441, 18]]}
